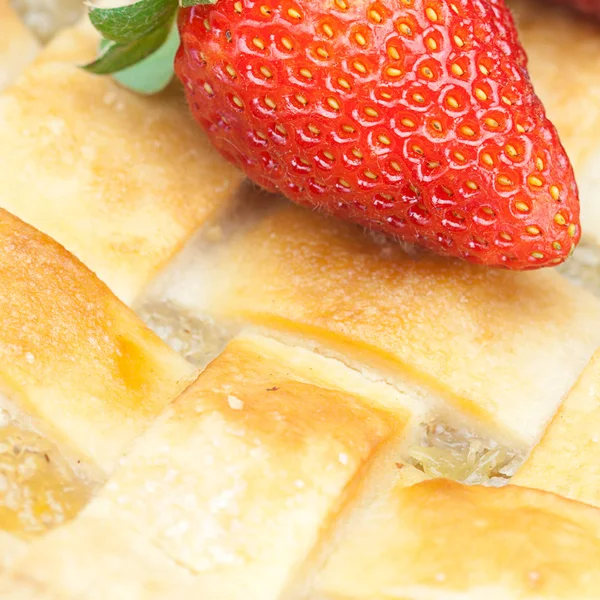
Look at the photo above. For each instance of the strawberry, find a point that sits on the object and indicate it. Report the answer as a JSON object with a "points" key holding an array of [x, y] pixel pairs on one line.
{"points": [[413, 117]]}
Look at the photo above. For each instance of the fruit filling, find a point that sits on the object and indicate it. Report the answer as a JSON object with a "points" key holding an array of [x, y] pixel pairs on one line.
{"points": [[197, 339], [38, 488], [461, 455]]}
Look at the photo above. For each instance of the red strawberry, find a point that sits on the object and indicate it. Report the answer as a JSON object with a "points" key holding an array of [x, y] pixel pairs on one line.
{"points": [[413, 117]]}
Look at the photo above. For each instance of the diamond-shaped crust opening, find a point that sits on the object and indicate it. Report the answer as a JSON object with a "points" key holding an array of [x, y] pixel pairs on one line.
{"points": [[236, 482], [41, 487], [567, 459], [18, 47], [500, 348], [124, 203], [439, 540]]}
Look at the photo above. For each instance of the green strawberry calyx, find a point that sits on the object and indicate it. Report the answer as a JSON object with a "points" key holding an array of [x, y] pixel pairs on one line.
{"points": [[139, 42]]}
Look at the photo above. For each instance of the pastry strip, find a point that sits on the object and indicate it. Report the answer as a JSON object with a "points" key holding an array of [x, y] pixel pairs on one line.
{"points": [[72, 355], [235, 483], [440, 540], [502, 348], [120, 180], [567, 459]]}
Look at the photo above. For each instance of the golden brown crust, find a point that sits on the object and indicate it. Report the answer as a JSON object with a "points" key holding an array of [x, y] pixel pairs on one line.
{"points": [[120, 180], [18, 47], [235, 483], [485, 341], [71, 354], [567, 460], [439, 540]]}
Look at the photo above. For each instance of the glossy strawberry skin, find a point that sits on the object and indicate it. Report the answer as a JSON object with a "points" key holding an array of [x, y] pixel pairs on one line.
{"points": [[418, 121]]}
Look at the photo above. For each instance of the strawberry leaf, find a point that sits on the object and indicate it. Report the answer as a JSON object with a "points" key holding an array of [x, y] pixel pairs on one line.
{"points": [[133, 33], [115, 56], [129, 23], [155, 72], [189, 3]]}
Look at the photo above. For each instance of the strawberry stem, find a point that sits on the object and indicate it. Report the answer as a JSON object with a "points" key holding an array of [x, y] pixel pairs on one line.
{"points": [[134, 32]]}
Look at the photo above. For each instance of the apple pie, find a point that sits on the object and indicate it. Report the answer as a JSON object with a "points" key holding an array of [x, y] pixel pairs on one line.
{"points": [[206, 392]]}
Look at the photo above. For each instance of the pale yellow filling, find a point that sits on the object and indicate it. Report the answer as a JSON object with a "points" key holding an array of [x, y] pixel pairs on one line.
{"points": [[38, 488], [197, 339], [463, 456]]}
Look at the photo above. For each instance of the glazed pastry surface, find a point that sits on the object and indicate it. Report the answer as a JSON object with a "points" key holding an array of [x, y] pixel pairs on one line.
{"points": [[206, 392]]}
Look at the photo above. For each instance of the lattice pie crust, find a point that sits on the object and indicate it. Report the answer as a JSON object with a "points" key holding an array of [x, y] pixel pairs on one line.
{"points": [[327, 416]]}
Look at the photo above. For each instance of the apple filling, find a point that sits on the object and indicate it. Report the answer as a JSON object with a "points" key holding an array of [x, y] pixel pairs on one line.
{"points": [[197, 339], [38, 488], [462, 456]]}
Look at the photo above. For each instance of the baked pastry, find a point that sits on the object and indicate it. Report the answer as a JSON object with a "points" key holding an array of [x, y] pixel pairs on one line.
{"points": [[17, 45], [81, 378], [335, 383], [131, 228], [570, 439]]}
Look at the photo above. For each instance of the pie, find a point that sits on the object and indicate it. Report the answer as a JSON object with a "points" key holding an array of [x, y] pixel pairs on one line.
{"points": [[209, 393], [18, 46]]}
